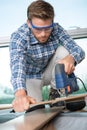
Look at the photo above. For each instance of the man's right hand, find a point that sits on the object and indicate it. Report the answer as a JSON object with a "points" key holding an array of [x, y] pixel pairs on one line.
{"points": [[22, 101]]}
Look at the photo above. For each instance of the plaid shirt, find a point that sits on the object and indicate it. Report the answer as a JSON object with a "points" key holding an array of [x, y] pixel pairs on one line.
{"points": [[29, 58]]}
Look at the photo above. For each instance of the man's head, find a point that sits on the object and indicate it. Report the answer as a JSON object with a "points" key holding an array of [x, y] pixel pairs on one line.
{"points": [[40, 9], [40, 16]]}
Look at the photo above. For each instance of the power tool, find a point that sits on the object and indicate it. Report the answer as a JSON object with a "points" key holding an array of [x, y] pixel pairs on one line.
{"points": [[64, 85]]}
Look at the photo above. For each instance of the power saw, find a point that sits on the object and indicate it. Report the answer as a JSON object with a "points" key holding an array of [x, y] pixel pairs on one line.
{"points": [[64, 85]]}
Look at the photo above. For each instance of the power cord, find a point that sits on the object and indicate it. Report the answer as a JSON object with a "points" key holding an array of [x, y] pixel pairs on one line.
{"points": [[82, 83]]}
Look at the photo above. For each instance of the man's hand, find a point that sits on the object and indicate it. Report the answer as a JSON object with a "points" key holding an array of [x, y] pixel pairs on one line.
{"points": [[68, 62], [22, 101]]}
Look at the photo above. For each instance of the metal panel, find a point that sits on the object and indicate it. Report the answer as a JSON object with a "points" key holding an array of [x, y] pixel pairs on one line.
{"points": [[78, 33]]}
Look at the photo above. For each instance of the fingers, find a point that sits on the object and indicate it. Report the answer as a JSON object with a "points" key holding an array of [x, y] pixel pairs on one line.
{"points": [[22, 103], [69, 68], [68, 62], [32, 100]]}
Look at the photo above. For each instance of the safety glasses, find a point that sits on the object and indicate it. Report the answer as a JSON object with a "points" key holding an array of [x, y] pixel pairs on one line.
{"points": [[38, 29]]}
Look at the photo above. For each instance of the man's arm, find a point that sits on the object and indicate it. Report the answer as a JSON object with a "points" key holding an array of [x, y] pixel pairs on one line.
{"points": [[18, 73], [76, 53], [17, 62], [73, 48]]}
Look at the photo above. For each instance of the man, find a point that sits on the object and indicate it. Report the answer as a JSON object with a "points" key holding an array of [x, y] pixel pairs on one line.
{"points": [[35, 48]]}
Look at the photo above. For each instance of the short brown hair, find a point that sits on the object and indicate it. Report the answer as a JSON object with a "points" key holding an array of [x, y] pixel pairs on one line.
{"points": [[40, 9]]}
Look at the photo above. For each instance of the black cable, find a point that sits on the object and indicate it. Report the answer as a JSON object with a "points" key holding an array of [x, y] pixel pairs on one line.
{"points": [[82, 83]]}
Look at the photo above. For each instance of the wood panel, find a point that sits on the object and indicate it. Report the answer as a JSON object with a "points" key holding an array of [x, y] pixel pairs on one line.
{"points": [[31, 121], [66, 98]]}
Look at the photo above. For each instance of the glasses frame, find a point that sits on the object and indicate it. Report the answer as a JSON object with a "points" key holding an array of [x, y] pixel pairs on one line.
{"points": [[45, 28]]}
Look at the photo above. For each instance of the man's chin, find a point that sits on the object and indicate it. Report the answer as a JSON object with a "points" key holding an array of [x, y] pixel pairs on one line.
{"points": [[43, 41]]}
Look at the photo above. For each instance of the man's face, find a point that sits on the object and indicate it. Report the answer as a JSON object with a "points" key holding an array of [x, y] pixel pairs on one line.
{"points": [[41, 28]]}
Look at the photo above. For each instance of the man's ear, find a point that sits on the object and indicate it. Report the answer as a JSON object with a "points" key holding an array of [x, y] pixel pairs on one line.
{"points": [[28, 23]]}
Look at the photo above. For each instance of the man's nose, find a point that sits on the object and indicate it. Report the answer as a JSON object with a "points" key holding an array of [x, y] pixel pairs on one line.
{"points": [[43, 33]]}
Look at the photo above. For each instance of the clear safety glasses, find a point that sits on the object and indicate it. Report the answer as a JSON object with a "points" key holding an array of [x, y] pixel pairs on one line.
{"points": [[38, 29]]}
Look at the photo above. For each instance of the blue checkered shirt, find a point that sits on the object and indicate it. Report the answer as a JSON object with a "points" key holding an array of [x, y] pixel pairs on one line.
{"points": [[29, 58]]}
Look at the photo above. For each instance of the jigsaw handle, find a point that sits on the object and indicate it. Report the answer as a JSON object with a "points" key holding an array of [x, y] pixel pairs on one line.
{"points": [[60, 76], [64, 81]]}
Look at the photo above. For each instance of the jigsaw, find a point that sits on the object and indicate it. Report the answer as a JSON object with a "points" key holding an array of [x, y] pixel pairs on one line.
{"points": [[64, 86]]}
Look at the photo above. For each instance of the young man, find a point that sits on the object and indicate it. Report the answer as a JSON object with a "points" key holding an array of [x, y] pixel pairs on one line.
{"points": [[34, 49]]}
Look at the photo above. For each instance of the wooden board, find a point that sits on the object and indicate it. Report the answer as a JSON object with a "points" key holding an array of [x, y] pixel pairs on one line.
{"points": [[37, 119], [5, 106], [69, 98], [31, 121]]}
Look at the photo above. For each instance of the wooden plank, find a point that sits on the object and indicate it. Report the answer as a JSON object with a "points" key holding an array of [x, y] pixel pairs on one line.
{"points": [[31, 121], [67, 98], [5, 106]]}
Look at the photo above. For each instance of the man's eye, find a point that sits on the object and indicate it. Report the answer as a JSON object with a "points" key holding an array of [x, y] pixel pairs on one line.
{"points": [[38, 29]]}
